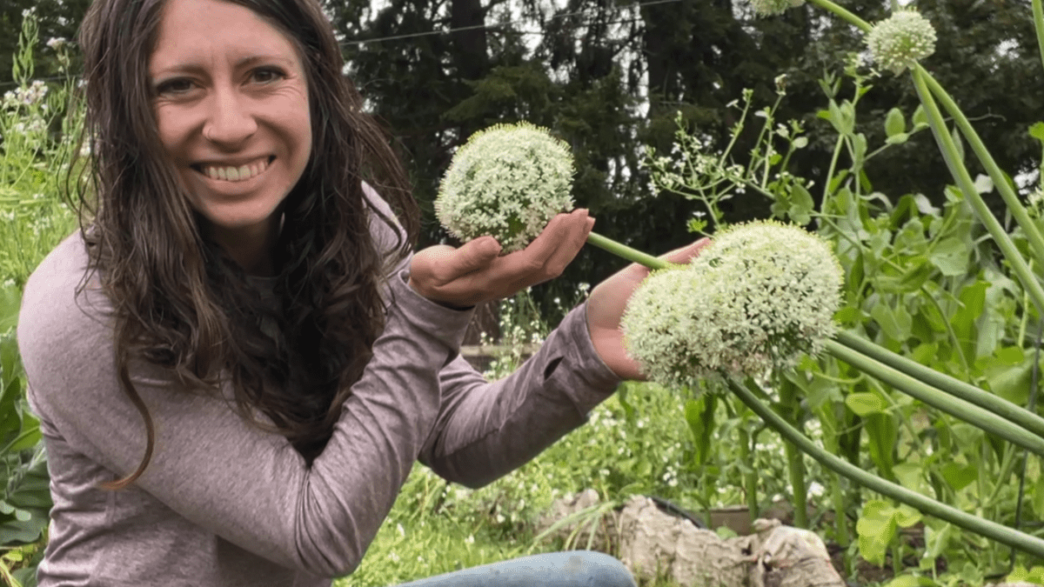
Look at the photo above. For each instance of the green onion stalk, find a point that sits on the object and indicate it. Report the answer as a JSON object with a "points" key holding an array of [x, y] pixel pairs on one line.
{"points": [[1038, 24], [1004, 535], [790, 405]]}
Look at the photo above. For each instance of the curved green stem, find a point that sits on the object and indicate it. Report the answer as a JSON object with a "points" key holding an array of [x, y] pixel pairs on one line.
{"points": [[1038, 24], [1018, 211], [955, 387], [987, 528], [971, 195], [965, 411], [625, 252], [844, 14]]}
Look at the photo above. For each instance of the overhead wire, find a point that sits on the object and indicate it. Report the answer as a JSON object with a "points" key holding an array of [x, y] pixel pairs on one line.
{"points": [[489, 27]]}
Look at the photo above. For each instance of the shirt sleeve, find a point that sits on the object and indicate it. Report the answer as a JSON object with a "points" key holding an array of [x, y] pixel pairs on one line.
{"points": [[485, 430], [217, 471]]}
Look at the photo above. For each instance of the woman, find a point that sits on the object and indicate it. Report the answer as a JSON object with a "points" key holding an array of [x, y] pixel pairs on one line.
{"points": [[237, 361]]}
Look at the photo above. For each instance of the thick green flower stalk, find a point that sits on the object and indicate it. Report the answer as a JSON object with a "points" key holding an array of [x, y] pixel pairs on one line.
{"points": [[901, 40], [508, 181], [755, 300]]}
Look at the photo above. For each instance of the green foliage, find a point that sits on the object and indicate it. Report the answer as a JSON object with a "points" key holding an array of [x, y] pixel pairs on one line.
{"points": [[921, 280], [37, 140]]}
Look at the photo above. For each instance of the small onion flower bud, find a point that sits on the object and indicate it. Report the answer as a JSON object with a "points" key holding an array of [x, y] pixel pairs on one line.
{"points": [[901, 40], [761, 295], [508, 181]]}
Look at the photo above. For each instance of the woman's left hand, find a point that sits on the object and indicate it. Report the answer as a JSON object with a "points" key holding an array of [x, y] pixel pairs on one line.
{"points": [[606, 305], [475, 272]]}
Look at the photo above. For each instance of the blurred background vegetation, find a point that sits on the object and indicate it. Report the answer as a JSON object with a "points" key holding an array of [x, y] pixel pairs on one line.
{"points": [[610, 75]]}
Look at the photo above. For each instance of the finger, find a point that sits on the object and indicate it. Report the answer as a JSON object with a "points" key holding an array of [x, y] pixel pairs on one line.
{"points": [[449, 264], [688, 252], [564, 254], [534, 258]]}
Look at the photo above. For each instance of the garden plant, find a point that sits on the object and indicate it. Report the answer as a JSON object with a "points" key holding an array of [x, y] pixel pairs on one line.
{"points": [[912, 386], [706, 327]]}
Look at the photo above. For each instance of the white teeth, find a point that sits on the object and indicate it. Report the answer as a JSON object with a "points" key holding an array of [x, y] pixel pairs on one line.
{"points": [[236, 173]]}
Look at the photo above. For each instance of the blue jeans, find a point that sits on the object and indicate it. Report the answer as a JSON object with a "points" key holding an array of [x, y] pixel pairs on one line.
{"points": [[558, 569]]}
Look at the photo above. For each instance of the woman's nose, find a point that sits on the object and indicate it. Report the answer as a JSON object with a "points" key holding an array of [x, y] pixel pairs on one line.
{"points": [[229, 121]]}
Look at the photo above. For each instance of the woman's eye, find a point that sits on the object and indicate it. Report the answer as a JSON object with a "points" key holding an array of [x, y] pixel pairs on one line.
{"points": [[174, 86], [266, 75]]}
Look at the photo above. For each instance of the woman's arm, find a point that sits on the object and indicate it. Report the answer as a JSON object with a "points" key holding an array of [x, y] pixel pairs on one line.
{"points": [[220, 473], [486, 430]]}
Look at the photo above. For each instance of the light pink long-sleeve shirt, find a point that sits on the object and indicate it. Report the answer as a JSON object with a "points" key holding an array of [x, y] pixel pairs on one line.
{"points": [[223, 503]]}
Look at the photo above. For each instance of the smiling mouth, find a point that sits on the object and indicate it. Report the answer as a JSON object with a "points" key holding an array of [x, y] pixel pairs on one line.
{"points": [[234, 174]]}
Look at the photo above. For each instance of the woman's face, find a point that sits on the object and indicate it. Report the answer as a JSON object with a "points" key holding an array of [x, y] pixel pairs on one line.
{"points": [[231, 104]]}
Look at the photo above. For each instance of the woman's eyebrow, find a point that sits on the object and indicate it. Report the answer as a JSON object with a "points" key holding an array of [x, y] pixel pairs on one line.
{"points": [[241, 63]]}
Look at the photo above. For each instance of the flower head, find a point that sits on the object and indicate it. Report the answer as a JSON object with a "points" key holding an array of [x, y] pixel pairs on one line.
{"points": [[757, 298], [900, 40], [508, 181]]}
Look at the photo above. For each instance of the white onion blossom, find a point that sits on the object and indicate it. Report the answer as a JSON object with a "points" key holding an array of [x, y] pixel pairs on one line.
{"points": [[761, 295], [901, 40], [508, 181]]}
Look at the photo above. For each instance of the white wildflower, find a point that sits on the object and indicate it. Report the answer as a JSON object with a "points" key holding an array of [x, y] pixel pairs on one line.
{"points": [[56, 43], [754, 300], [900, 40], [508, 181]]}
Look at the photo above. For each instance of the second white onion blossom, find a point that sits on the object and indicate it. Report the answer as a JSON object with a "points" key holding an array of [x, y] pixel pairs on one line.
{"points": [[761, 295]]}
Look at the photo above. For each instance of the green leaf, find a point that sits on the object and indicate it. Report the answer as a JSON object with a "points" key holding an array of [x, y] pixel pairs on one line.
{"points": [[897, 139], [865, 404], [841, 123], [800, 142], [973, 299], [911, 581], [801, 205], [859, 153], [920, 118], [895, 323], [906, 516], [876, 528], [910, 476], [699, 415], [1037, 131], [959, 476], [950, 256], [10, 303], [895, 123], [911, 279], [937, 541]]}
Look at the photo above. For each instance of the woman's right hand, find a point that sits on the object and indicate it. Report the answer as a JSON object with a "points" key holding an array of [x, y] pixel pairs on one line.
{"points": [[475, 272]]}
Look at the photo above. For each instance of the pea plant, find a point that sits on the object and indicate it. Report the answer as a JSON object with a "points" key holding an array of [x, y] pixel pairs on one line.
{"points": [[926, 395]]}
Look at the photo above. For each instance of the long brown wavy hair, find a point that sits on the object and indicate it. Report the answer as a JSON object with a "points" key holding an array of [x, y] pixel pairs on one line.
{"points": [[179, 301]]}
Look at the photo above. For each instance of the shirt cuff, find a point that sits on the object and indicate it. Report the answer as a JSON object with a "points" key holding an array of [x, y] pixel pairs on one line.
{"points": [[586, 375], [447, 325]]}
